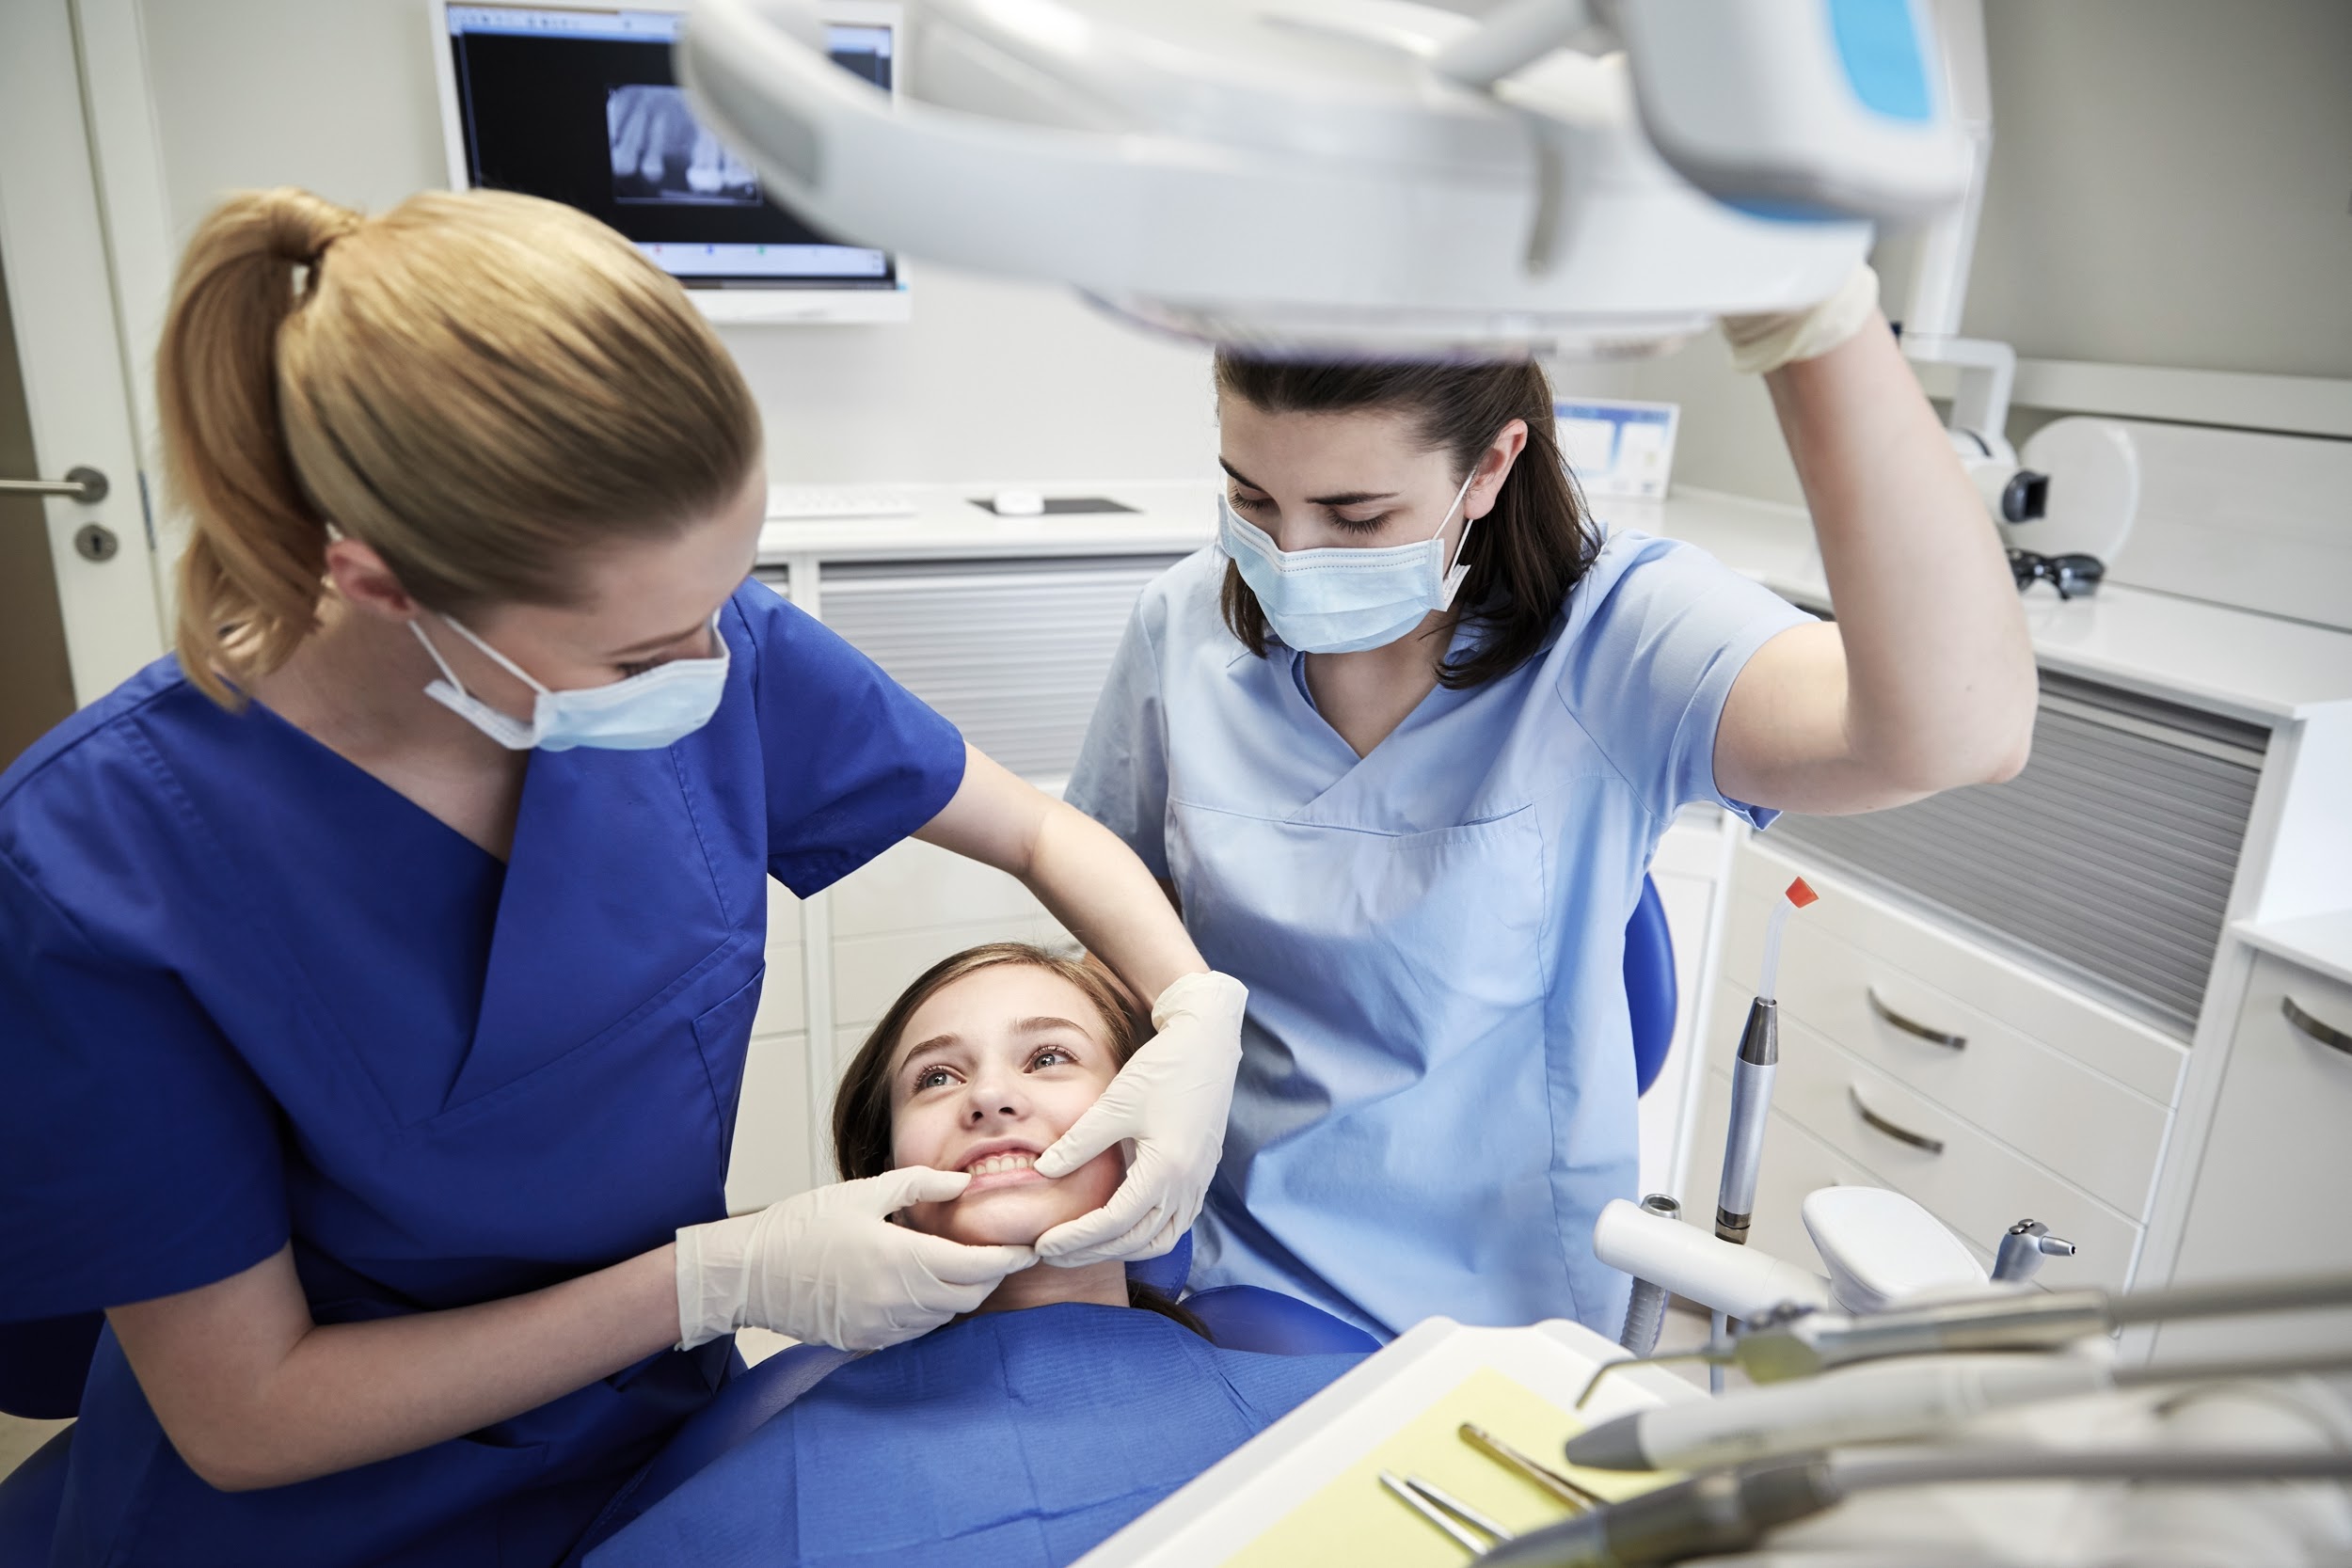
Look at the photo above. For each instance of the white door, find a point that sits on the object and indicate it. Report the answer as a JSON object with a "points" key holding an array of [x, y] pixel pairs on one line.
{"points": [[99, 595]]}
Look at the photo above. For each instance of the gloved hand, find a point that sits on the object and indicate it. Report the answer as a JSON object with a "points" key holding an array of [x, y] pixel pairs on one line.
{"points": [[1170, 1100], [1761, 343], [828, 1266]]}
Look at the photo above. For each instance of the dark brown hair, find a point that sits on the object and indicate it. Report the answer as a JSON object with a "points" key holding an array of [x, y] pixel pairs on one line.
{"points": [[1524, 555], [861, 1107]]}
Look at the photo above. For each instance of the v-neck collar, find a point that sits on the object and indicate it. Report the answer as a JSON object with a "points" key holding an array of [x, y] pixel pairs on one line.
{"points": [[1310, 715], [604, 850]]}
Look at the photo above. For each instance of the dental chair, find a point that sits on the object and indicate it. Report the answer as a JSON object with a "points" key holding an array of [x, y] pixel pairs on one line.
{"points": [[43, 1365], [1238, 1317]]}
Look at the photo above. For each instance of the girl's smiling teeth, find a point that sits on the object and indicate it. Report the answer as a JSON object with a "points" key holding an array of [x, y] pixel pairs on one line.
{"points": [[997, 1164]]}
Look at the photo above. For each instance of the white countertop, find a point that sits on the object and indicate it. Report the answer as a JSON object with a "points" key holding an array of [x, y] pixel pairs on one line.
{"points": [[2319, 942], [2236, 662], [1168, 519], [2247, 666]]}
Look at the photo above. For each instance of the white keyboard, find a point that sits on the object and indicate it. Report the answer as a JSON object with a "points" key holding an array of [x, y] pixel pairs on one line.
{"points": [[794, 502]]}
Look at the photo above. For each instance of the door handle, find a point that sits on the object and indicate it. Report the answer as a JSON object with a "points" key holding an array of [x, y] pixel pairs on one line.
{"points": [[1911, 1025], [2325, 1034], [1900, 1134], [85, 484]]}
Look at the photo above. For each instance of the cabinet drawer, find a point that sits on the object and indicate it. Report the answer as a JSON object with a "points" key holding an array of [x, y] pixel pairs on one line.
{"points": [[2271, 1191], [2037, 1099], [1900, 949], [1795, 1164], [1973, 1183]]}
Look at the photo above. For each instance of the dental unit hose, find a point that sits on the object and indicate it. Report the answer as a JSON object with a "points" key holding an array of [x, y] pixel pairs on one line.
{"points": [[1645, 1311], [1882, 1401], [1729, 1511]]}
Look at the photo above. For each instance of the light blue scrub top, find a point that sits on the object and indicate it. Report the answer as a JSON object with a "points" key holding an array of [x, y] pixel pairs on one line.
{"points": [[1435, 1095]]}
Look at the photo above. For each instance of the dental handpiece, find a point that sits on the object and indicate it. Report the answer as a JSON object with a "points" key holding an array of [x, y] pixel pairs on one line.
{"points": [[1724, 1512], [1795, 1342], [1752, 1081], [1881, 1401]]}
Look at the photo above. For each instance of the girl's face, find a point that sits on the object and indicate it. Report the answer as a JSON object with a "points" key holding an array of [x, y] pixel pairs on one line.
{"points": [[1363, 478], [991, 1070]]}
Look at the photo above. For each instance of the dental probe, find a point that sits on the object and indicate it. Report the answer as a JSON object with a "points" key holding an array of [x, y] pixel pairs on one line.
{"points": [[1878, 1402], [1729, 1511], [1800, 1343], [1752, 1073]]}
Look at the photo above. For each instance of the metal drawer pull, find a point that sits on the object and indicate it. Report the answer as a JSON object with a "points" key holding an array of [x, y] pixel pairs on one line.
{"points": [[1900, 1134], [2325, 1034], [1911, 1025]]}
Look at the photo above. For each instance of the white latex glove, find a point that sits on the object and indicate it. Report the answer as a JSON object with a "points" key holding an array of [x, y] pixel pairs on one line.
{"points": [[1761, 343], [1170, 1104], [829, 1267]]}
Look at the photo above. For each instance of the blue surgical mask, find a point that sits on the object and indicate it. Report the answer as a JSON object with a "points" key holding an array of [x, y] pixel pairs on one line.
{"points": [[643, 712], [1338, 601]]}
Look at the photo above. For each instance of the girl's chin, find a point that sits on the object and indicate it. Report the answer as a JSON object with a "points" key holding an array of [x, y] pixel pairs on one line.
{"points": [[1010, 1216]]}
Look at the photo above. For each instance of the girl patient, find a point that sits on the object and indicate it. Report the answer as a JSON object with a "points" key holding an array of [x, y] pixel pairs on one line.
{"points": [[1030, 1432]]}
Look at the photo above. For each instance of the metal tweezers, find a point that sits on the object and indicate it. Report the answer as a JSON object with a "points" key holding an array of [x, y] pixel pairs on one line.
{"points": [[1456, 1518]]}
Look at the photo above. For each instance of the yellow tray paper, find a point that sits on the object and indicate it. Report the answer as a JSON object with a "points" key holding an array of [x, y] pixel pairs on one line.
{"points": [[1356, 1522]]}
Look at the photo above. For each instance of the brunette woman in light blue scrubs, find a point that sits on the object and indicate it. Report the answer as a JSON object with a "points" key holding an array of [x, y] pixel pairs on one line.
{"points": [[1402, 745]]}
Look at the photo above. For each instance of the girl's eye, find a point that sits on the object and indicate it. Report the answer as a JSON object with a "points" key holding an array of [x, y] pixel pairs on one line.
{"points": [[1252, 503], [1053, 1055], [1359, 524], [638, 667], [934, 1078]]}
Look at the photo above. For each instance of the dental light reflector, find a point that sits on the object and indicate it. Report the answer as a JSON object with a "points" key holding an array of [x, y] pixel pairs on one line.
{"points": [[1300, 174]]}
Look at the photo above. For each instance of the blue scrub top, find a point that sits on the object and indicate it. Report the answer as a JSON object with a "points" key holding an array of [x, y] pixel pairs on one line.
{"points": [[251, 994], [1436, 1095]]}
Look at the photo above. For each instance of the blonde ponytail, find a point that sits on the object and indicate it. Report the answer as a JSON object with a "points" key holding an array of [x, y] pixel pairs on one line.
{"points": [[250, 579], [482, 387]]}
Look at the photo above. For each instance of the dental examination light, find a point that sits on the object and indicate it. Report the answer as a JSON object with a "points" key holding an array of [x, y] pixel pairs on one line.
{"points": [[1366, 176]]}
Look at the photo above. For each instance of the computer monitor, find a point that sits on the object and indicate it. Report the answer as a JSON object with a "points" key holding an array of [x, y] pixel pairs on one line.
{"points": [[581, 104]]}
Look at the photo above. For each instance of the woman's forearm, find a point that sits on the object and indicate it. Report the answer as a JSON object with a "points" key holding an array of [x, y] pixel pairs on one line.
{"points": [[1939, 668], [253, 1394]]}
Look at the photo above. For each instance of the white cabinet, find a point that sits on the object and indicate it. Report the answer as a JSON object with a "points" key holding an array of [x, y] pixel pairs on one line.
{"points": [[1940, 1069], [2272, 1191]]}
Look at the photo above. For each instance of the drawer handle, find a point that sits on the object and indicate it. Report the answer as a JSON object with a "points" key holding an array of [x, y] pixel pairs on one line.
{"points": [[1911, 1025], [1900, 1134], [2325, 1034]]}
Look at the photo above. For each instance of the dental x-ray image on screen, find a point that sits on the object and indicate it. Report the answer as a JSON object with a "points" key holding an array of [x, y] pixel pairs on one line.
{"points": [[659, 153], [582, 106]]}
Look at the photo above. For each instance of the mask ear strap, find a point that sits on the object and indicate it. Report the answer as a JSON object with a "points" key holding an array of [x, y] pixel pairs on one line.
{"points": [[503, 663], [434, 654], [1458, 572]]}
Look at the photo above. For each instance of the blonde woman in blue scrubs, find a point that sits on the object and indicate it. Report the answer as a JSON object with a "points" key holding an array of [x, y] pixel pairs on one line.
{"points": [[1401, 748]]}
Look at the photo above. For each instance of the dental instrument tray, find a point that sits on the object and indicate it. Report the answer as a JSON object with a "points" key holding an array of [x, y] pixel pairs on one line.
{"points": [[1308, 1489]]}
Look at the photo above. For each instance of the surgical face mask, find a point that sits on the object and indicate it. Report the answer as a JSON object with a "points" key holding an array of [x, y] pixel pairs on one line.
{"points": [[1338, 601], [643, 713]]}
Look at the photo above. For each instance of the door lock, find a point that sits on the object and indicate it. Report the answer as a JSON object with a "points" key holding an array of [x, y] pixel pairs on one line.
{"points": [[95, 541]]}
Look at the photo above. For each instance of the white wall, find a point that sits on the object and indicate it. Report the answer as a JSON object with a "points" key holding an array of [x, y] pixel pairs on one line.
{"points": [[2167, 188], [992, 381]]}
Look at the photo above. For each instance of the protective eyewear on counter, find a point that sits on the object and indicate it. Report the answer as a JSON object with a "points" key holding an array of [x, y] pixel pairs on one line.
{"points": [[2069, 573]]}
